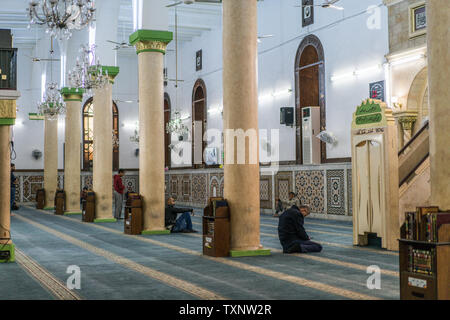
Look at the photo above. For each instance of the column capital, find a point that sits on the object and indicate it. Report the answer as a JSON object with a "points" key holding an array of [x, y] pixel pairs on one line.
{"points": [[72, 94], [150, 40], [7, 112], [112, 71]]}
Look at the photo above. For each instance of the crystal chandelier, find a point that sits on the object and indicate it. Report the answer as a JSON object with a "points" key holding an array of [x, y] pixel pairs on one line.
{"points": [[53, 104], [61, 16], [176, 125], [88, 72]]}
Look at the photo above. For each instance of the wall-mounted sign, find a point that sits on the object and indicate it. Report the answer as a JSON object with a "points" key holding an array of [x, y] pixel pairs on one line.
{"points": [[417, 19], [376, 90], [307, 12], [198, 61]]}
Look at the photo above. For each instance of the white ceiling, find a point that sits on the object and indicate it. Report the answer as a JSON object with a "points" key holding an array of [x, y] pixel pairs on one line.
{"points": [[193, 20]]}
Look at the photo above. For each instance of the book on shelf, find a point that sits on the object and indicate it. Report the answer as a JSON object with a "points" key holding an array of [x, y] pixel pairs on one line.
{"points": [[415, 226], [421, 260]]}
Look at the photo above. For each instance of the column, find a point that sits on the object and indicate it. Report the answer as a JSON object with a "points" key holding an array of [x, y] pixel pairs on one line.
{"points": [[7, 119], [438, 24], [151, 42], [240, 115], [102, 183], [50, 162], [72, 162]]}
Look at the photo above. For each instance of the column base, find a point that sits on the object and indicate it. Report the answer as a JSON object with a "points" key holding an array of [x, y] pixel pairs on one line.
{"points": [[105, 220], [4, 249], [153, 232], [249, 253], [73, 213], [49, 208]]}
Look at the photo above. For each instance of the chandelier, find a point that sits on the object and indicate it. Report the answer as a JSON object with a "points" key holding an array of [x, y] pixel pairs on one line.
{"points": [[88, 72], [61, 16], [53, 104], [176, 125]]}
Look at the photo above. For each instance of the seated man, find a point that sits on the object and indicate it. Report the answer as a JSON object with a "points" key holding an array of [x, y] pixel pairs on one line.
{"points": [[292, 235], [183, 223]]}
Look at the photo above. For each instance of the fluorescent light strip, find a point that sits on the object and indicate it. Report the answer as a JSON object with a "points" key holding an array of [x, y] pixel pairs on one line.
{"points": [[356, 72]]}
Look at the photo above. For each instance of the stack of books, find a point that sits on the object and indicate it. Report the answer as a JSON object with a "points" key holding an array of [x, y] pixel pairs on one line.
{"points": [[421, 261]]}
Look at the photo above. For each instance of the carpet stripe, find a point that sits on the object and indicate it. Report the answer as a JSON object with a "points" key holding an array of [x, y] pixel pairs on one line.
{"points": [[45, 278], [266, 272], [317, 224], [152, 273]]}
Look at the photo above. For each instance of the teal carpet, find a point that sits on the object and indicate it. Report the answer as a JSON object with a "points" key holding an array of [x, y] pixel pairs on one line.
{"points": [[179, 271]]}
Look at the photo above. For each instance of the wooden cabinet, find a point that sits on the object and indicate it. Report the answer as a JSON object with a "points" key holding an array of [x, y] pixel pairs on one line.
{"points": [[40, 199], [216, 229], [89, 207], [60, 202], [133, 214], [417, 284]]}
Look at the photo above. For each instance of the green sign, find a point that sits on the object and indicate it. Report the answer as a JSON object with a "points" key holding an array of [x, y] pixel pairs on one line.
{"points": [[367, 108], [367, 119]]}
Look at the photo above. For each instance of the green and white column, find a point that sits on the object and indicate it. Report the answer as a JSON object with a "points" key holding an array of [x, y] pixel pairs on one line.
{"points": [[7, 119], [72, 163], [151, 42], [102, 183]]}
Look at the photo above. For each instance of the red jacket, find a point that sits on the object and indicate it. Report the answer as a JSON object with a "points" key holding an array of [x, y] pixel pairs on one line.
{"points": [[118, 185]]}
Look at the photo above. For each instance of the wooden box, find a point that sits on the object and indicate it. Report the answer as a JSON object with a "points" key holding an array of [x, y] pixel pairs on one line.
{"points": [[40, 199], [216, 230], [133, 215], [89, 207], [60, 202]]}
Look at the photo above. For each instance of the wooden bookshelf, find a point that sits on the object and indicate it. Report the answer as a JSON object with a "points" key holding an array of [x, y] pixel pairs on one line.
{"points": [[416, 285], [216, 230]]}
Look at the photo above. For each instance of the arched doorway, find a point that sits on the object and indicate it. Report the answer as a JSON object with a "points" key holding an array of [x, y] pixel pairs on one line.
{"points": [[309, 87], [198, 123], [167, 135], [88, 135], [418, 98]]}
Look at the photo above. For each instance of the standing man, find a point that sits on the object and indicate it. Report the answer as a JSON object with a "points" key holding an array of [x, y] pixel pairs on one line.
{"points": [[118, 193], [292, 234], [14, 182]]}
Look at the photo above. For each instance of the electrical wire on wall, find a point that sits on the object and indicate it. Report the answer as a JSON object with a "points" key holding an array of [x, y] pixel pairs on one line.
{"points": [[12, 153]]}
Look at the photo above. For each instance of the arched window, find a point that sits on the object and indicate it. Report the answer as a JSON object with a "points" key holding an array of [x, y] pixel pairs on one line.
{"points": [[199, 116], [88, 135], [309, 87], [167, 136]]}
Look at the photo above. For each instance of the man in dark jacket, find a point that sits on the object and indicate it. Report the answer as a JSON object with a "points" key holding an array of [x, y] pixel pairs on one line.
{"points": [[183, 223], [292, 234]]}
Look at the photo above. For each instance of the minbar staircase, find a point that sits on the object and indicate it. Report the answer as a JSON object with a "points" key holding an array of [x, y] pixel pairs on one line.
{"points": [[414, 172]]}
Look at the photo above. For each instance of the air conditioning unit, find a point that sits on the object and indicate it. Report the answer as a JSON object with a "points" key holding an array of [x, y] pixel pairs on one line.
{"points": [[310, 128]]}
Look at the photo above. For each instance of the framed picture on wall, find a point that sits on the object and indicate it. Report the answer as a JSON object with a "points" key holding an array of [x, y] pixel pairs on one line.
{"points": [[307, 12], [417, 19], [376, 90]]}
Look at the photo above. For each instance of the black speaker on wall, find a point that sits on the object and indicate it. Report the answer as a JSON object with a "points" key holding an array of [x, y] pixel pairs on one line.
{"points": [[287, 116]]}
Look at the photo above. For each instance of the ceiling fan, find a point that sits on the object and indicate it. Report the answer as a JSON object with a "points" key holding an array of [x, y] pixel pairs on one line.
{"points": [[264, 36], [193, 1], [36, 59], [326, 4], [120, 45]]}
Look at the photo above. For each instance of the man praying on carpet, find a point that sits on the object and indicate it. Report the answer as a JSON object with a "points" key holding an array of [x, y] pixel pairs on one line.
{"points": [[292, 234], [183, 223]]}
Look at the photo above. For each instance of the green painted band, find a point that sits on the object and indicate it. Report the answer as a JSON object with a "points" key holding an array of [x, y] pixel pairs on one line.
{"points": [[151, 35], [249, 253], [7, 122], [12, 252], [79, 100], [105, 220], [368, 119], [151, 50], [75, 91], [150, 232], [72, 213]]}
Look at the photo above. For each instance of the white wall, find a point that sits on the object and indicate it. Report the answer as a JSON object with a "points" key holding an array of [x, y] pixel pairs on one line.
{"points": [[347, 41]]}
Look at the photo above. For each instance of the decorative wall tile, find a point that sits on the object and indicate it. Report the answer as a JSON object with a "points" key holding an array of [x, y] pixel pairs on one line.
{"points": [[186, 188], [265, 191], [31, 184], [131, 183], [216, 185], [283, 185], [349, 192], [335, 192], [309, 186], [174, 187], [166, 186], [199, 187]]}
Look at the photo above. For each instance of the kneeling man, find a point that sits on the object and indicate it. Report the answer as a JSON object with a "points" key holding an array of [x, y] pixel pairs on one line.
{"points": [[183, 223], [292, 234]]}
